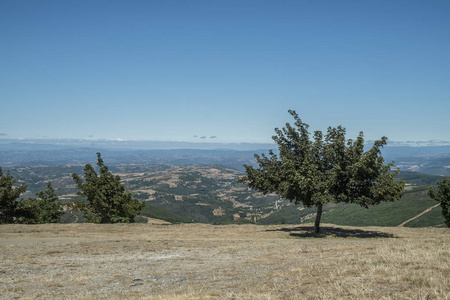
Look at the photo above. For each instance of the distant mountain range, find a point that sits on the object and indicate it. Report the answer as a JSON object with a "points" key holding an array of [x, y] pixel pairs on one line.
{"points": [[80, 156], [396, 152], [425, 159], [429, 159], [120, 145]]}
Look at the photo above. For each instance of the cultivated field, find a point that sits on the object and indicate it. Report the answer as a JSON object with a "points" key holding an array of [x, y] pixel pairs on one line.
{"points": [[198, 261]]}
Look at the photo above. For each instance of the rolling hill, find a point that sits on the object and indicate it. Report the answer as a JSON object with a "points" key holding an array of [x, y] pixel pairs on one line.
{"points": [[211, 194]]}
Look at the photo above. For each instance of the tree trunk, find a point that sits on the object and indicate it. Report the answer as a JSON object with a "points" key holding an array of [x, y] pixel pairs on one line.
{"points": [[318, 216]]}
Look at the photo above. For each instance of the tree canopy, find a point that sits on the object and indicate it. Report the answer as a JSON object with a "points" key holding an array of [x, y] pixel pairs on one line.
{"points": [[324, 168], [9, 193], [44, 209], [108, 201], [442, 195], [50, 207]]}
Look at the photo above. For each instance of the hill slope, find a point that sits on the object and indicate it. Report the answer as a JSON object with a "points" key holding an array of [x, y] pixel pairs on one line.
{"points": [[385, 214], [211, 194]]}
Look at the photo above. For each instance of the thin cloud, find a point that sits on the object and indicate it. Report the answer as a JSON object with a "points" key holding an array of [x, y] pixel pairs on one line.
{"points": [[3, 134], [203, 137], [213, 137]]}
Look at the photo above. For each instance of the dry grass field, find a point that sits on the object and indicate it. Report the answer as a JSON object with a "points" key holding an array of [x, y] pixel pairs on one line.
{"points": [[198, 261]]}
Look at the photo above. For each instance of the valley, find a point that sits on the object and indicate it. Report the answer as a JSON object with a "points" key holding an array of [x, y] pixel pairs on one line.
{"points": [[211, 194]]}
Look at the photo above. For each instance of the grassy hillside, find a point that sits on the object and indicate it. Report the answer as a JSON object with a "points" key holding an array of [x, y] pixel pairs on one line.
{"points": [[414, 179], [431, 164], [432, 218], [385, 214]]}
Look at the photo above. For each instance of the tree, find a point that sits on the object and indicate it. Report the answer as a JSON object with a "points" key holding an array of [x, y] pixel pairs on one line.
{"points": [[50, 207], [326, 168], [9, 193], [443, 196], [27, 211], [107, 199], [45, 209]]}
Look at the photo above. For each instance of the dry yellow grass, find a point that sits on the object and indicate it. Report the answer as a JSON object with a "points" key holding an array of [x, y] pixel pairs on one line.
{"points": [[197, 261]]}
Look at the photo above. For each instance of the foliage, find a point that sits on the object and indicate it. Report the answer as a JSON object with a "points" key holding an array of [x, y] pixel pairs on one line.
{"points": [[107, 199], [443, 196], [8, 197], [325, 169], [44, 209], [50, 207], [27, 211]]}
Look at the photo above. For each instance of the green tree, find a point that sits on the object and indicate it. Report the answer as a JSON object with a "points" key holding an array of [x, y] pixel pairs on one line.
{"points": [[326, 168], [27, 211], [107, 199], [9, 193], [44, 209], [49, 205], [443, 196]]}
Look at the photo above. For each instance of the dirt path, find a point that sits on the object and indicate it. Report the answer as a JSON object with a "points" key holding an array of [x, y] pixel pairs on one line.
{"points": [[422, 213], [76, 217]]}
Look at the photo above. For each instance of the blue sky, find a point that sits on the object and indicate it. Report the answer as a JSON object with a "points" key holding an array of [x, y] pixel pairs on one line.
{"points": [[223, 71]]}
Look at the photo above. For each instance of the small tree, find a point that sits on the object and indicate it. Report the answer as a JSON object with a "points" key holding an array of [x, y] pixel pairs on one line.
{"points": [[45, 209], [27, 211], [324, 169], [9, 193], [50, 207], [443, 196], [107, 199]]}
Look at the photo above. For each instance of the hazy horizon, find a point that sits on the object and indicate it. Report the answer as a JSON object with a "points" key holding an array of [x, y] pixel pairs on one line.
{"points": [[44, 143], [223, 72]]}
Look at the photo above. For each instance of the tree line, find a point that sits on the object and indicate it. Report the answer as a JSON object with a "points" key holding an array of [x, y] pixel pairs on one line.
{"points": [[46, 208], [310, 171], [107, 200]]}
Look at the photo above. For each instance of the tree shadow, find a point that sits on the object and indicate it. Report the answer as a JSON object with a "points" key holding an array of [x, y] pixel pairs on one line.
{"points": [[328, 231]]}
